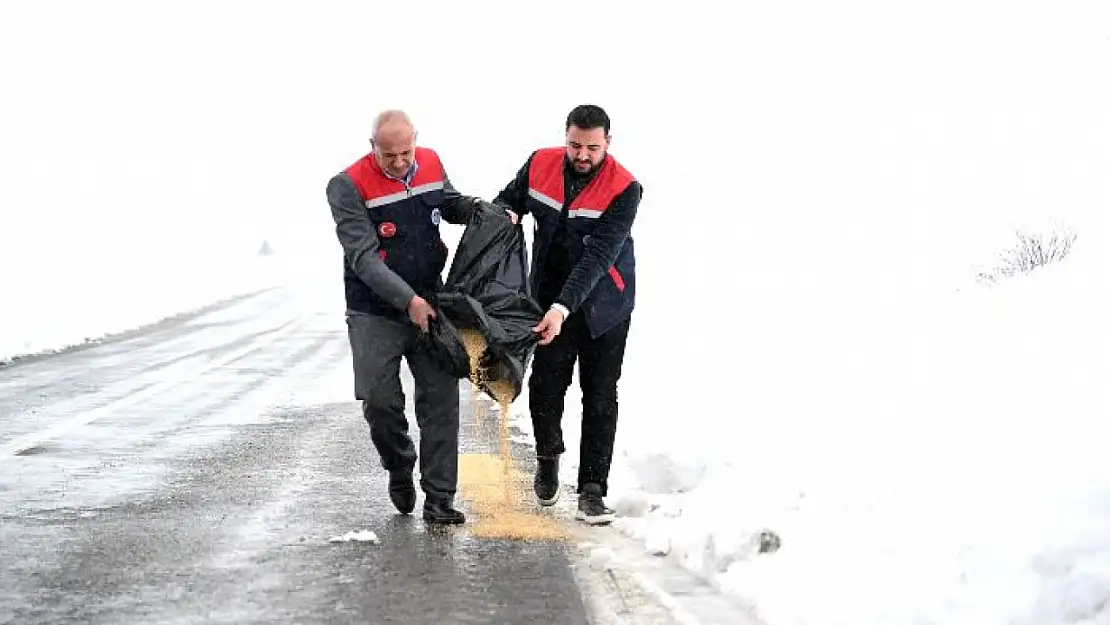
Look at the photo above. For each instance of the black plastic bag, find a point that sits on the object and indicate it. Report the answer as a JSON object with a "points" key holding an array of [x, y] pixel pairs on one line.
{"points": [[487, 290], [444, 342]]}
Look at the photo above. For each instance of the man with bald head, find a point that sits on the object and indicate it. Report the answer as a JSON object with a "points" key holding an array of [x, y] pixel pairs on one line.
{"points": [[387, 208]]}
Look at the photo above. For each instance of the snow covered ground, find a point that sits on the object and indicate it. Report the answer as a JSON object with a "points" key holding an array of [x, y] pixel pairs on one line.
{"points": [[961, 482], [811, 356], [55, 312]]}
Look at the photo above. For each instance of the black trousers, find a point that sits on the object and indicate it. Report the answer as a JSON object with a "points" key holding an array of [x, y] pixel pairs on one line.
{"points": [[377, 344], [599, 370]]}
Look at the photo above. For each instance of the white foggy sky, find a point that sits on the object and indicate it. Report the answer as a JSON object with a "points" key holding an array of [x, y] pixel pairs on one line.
{"points": [[790, 141]]}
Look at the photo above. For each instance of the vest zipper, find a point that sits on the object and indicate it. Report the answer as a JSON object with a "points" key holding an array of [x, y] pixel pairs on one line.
{"points": [[417, 241]]}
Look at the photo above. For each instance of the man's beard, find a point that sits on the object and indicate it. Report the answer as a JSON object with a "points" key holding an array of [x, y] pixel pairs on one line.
{"points": [[585, 172]]}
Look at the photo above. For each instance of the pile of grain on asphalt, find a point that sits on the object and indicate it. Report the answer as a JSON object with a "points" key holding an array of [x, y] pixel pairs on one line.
{"points": [[498, 501]]}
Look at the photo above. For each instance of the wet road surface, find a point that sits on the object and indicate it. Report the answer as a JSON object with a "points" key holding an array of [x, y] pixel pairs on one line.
{"points": [[198, 470]]}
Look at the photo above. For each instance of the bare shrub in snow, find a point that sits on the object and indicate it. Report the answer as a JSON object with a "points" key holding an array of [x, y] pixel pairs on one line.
{"points": [[1030, 252]]}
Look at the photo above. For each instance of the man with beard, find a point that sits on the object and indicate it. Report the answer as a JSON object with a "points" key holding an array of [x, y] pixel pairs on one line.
{"points": [[583, 270]]}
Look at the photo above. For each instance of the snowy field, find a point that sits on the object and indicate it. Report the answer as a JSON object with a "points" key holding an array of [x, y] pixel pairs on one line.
{"points": [[50, 313], [812, 355]]}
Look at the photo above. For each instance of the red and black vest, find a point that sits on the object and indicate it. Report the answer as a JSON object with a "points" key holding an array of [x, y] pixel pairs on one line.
{"points": [[406, 218], [613, 297]]}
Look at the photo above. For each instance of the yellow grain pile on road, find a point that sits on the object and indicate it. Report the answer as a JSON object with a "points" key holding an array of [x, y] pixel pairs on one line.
{"points": [[495, 487]]}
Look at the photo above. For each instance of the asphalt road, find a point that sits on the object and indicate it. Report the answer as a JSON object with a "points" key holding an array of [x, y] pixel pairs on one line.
{"points": [[199, 470]]}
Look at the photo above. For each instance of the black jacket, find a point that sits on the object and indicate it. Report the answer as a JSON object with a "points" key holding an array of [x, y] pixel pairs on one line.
{"points": [[569, 266]]}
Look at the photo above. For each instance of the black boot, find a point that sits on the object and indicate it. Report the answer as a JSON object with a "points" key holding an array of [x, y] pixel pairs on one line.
{"points": [[402, 492], [546, 483], [442, 512], [591, 508]]}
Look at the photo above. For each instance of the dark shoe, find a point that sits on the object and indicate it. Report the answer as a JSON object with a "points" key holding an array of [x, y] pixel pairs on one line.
{"points": [[591, 508], [546, 483], [442, 513], [402, 492]]}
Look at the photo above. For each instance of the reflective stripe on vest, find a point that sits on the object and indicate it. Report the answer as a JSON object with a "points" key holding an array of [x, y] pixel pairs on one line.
{"points": [[377, 189], [400, 195], [545, 184]]}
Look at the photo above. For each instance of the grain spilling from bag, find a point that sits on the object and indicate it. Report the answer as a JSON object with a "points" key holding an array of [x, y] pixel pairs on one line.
{"points": [[475, 345], [501, 390], [498, 494]]}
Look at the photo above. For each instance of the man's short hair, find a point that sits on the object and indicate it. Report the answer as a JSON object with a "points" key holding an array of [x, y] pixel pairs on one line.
{"points": [[587, 116], [388, 116]]}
